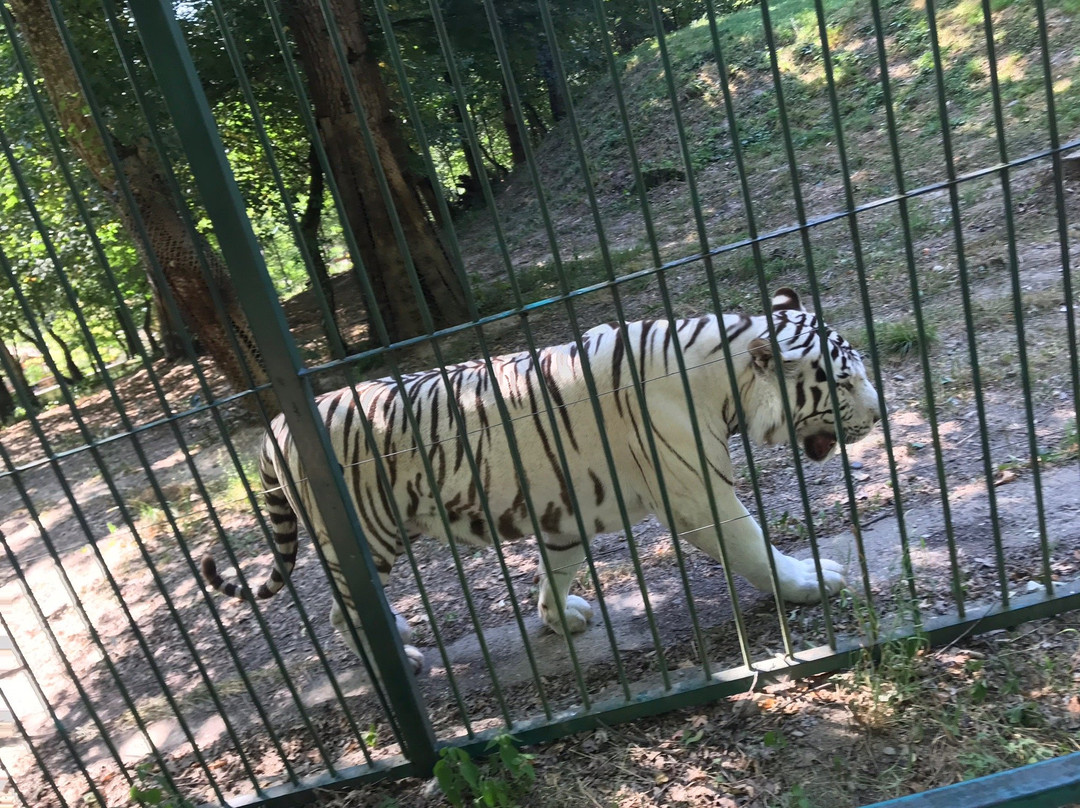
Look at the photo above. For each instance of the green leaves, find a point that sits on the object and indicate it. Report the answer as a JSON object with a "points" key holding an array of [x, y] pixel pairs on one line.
{"points": [[497, 782], [154, 789]]}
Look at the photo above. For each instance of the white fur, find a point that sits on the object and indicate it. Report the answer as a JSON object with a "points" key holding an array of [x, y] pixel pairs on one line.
{"points": [[589, 488]]}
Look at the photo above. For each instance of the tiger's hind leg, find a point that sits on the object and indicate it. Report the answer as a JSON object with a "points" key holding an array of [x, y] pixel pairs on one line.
{"points": [[565, 553], [384, 562], [337, 620]]}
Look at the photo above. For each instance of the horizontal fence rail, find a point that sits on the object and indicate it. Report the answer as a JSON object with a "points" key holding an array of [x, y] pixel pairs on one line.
{"points": [[217, 214]]}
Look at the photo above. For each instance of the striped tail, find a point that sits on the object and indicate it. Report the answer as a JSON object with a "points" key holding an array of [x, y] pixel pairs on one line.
{"points": [[283, 523]]}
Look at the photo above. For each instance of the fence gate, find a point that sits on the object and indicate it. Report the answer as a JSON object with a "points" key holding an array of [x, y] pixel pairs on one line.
{"points": [[218, 211]]}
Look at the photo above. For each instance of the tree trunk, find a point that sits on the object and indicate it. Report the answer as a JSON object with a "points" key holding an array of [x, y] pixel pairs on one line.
{"points": [[179, 252], [366, 210], [310, 222], [132, 342], [46, 355], [74, 372], [545, 65], [170, 331], [537, 128], [148, 326], [7, 403], [14, 369], [513, 133], [472, 191]]}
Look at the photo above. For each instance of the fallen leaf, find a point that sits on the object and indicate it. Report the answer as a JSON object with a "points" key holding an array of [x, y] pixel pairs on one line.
{"points": [[1074, 705], [1006, 476]]}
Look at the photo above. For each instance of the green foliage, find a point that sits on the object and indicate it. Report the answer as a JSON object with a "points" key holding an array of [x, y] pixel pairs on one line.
{"points": [[497, 782], [154, 790], [62, 261], [796, 798]]}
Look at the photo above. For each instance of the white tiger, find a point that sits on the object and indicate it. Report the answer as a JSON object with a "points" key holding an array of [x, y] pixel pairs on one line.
{"points": [[559, 368]]}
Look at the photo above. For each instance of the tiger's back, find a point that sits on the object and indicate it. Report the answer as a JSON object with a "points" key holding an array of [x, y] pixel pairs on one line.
{"points": [[538, 411]]}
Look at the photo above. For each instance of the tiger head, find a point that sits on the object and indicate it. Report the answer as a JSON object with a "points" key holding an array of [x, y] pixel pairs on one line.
{"points": [[806, 372]]}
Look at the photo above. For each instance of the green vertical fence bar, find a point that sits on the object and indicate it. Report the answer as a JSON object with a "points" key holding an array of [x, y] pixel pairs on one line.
{"points": [[520, 307], [309, 122], [1059, 203], [808, 257], [531, 165], [410, 413], [176, 77], [753, 240], [909, 257]]}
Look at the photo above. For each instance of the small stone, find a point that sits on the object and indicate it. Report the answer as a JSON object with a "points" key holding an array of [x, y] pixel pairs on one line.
{"points": [[888, 750], [855, 464]]}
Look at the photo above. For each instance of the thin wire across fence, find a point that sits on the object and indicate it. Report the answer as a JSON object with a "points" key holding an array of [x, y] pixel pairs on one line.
{"points": [[218, 706]]}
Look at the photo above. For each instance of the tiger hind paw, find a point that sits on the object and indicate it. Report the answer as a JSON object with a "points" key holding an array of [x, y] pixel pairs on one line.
{"points": [[577, 611], [415, 658]]}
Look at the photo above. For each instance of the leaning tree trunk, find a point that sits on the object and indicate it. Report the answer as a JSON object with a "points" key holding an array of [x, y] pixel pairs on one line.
{"points": [[180, 253], [148, 327], [46, 354], [7, 403], [14, 369], [133, 345], [368, 215], [74, 372]]}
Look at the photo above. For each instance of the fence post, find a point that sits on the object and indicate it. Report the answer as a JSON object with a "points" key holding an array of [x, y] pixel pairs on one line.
{"points": [[171, 62]]}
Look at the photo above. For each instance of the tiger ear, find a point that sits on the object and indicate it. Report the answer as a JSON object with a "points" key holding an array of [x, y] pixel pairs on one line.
{"points": [[786, 298], [760, 354]]}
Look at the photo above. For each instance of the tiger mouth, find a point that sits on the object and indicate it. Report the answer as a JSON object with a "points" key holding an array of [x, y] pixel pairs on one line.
{"points": [[818, 446]]}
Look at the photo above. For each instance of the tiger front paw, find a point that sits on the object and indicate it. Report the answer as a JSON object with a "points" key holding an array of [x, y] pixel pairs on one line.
{"points": [[799, 581], [577, 611]]}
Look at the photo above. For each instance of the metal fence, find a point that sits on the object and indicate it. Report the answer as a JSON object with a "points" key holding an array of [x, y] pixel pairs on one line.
{"points": [[904, 168]]}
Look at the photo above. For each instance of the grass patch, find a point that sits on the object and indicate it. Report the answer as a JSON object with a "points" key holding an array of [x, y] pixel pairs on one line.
{"points": [[902, 337]]}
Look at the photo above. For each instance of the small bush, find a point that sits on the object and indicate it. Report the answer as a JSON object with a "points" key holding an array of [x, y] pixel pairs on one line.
{"points": [[498, 782]]}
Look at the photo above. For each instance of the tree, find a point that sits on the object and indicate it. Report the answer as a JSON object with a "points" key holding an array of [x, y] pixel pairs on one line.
{"points": [[12, 366], [368, 214], [180, 252]]}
